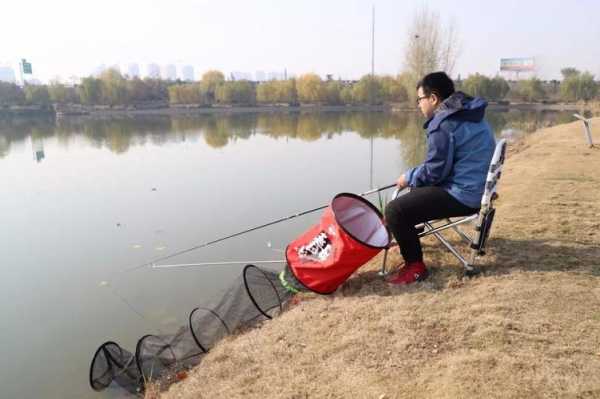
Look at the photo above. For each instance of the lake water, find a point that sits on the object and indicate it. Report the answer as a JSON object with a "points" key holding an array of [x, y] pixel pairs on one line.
{"points": [[85, 200]]}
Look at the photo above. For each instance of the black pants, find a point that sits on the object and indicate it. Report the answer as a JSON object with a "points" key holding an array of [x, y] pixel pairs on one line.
{"points": [[420, 205]]}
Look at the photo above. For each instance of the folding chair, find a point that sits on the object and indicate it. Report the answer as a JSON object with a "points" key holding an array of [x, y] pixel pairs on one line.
{"points": [[482, 221]]}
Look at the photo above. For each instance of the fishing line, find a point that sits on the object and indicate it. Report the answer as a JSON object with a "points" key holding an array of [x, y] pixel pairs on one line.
{"points": [[239, 262], [153, 262], [212, 242]]}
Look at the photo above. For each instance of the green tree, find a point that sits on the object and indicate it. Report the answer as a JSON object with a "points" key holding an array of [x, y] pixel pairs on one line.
{"points": [[530, 89], [210, 81], [578, 86], [113, 88], [482, 86], [500, 88], [59, 93], [393, 89], [37, 95], [241, 92], [368, 90], [138, 90], [266, 92], [409, 81], [186, 94], [287, 91], [90, 91], [156, 90], [332, 92], [475, 85], [310, 88], [11, 94], [346, 95], [569, 72]]}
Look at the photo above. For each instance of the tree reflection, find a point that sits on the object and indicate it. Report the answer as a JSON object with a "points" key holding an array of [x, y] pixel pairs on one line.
{"points": [[218, 130]]}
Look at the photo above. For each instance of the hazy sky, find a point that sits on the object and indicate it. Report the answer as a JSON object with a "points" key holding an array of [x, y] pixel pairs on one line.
{"points": [[63, 37]]}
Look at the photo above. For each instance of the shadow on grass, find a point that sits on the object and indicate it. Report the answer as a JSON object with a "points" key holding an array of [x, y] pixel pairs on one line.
{"points": [[504, 256]]}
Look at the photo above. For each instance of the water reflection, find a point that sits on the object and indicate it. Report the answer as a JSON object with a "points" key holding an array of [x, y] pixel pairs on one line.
{"points": [[120, 134]]}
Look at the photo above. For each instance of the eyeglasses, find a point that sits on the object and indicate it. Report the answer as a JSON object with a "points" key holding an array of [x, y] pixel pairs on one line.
{"points": [[421, 98]]}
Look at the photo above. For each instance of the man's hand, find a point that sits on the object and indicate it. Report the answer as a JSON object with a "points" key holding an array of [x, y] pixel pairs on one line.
{"points": [[401, 182]]}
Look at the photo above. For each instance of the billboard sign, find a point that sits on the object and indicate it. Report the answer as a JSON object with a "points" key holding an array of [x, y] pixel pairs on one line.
{"points": [[26, 67], [517, 64]]}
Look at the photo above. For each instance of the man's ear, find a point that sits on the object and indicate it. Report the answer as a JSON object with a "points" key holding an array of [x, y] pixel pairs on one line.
{"points": [[435, 98]]}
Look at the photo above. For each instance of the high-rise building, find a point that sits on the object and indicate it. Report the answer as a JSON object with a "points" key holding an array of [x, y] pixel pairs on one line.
{"points": [[274, 76], [169, 72], [238, 75], [260, 76], [187, 73], [7, 74], [133, 70], [152, 71]]}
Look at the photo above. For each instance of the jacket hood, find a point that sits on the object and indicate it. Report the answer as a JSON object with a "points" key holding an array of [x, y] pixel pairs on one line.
{"points": [[458, 106]]}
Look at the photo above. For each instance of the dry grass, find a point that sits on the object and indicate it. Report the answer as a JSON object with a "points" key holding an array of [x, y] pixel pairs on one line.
{"points": [[528, 327]]}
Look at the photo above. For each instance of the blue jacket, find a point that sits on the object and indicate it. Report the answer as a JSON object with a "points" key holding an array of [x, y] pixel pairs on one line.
{"points": [[460, 145]]}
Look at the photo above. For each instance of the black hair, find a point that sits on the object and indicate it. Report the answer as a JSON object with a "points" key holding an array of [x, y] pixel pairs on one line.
{"points": [[437, 83]]}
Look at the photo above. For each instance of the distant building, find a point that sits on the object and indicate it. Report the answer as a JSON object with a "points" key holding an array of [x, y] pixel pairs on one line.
{"points": [[169, 72], [187, 73], [152, 71], [7, 74], [260, 76], [275, 76], [237, 75], [133, 70]]}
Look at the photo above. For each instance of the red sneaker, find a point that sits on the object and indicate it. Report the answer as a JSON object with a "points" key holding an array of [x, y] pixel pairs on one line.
{"points": [[415, 271]]}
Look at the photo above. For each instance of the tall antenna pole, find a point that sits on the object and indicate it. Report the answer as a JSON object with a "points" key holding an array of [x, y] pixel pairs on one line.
{"points": [[373, 42], [371, 91]]}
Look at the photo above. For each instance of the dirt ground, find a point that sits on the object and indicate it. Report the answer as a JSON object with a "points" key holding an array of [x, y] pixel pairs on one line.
{"points": [[528, 326]]}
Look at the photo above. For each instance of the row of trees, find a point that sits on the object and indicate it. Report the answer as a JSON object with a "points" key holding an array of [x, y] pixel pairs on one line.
{"points": [[575, 86], [307, 89], [111, 89]]}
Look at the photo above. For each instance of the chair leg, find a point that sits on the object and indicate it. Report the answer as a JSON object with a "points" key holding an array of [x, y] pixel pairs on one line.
{"points": [[472, 270], [469, 268], [383, 272]]}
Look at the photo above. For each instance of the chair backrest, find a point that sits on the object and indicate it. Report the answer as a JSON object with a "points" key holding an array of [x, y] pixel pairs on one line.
{"points": [[487, 212], [494, 173]]}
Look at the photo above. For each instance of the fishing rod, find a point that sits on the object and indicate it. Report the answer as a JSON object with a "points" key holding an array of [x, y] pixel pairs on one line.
{"points": [[233, 262], [153, 262], [139, 313]]}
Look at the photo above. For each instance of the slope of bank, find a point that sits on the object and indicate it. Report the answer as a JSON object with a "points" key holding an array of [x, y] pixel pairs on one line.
{"points": [[528, 327]]}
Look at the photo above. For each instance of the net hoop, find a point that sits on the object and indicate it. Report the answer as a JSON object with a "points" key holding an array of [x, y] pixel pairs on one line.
{"points": [[202, 347], [108, 358], [263, 312], [138, 349]]}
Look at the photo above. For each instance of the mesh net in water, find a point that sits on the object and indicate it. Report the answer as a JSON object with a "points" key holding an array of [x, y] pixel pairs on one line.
{"points": [[254, 296], [350, 232]]}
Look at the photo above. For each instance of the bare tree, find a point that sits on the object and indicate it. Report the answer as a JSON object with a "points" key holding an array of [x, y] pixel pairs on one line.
{"points": [[431, 46]]}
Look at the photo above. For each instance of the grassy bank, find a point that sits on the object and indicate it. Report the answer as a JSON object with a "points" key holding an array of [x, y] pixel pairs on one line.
{"points": [[528, 327]]}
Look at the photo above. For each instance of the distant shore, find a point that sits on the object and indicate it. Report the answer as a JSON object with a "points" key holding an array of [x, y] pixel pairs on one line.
{"points": [[165, 109]]}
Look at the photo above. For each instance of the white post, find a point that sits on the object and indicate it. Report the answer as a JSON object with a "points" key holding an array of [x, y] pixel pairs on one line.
{"points": [[21, 71], [587, 126]]}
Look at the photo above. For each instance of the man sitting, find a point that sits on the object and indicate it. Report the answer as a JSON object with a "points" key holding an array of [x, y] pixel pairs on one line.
{"points": [[450, 182]]}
